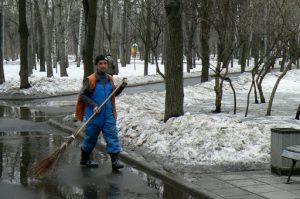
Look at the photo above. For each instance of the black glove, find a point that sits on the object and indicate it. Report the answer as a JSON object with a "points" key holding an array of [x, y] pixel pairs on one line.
{"points": [[125, 83]]}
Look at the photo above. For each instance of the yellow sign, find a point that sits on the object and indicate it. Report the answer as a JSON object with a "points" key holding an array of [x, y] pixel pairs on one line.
{"points": [[132, 51]]}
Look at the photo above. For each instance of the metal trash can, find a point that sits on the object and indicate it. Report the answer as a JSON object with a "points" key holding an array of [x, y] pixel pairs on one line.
{"points": [[280, 139]]}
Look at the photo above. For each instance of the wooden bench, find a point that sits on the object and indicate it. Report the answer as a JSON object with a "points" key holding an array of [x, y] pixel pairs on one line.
{"points": [[293, 153]]}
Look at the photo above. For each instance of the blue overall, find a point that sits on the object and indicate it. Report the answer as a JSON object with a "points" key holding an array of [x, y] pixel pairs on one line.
{"points": [[103, 121]]}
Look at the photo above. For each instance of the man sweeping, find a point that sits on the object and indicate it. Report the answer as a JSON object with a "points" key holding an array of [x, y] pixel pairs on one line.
{"points": [[96, 88]]}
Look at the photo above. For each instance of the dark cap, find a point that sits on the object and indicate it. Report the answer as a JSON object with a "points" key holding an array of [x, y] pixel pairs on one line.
{"points": [[99, 58]]}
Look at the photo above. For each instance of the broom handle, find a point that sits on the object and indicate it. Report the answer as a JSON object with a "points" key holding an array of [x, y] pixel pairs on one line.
{"points": [[98, 109]]}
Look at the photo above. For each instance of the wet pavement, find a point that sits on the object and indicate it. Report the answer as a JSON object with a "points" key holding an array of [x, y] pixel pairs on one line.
{"points": [[25, 137]]}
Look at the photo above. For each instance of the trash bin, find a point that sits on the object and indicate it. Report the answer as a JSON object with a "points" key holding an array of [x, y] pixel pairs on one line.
{"points": [[280, 139]]}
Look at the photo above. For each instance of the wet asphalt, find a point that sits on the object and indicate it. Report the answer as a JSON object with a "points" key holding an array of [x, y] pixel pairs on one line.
{"points": [[26, 137]]}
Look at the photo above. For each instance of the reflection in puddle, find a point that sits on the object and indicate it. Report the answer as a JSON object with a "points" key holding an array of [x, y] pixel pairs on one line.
{"points": [[164, 189], [24, 113], [19, 151]]}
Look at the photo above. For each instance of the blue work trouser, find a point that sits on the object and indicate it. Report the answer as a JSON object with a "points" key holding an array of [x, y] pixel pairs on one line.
{"points": [[109, 132], [104, 121]]}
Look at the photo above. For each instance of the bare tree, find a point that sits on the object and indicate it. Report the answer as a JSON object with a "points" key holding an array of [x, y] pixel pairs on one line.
{"points": [[298, 113], [23, 30], [224, 25], [243, 27], [190, 26], [11, 37], [90, 8], [61, 39], [50, 14], [125, 45], [2, 77], [41, 35], [148, 20], [204, 11], [174, 60], [114, 50], [55, 35], [32, 40], [68, 7], [287, 68], [147, 36], [79, 37], [110, 25]]}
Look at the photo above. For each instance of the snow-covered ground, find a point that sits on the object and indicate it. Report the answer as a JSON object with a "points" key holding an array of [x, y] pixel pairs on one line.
{"points": [[202, 138], [41, 85], [197, 138]]}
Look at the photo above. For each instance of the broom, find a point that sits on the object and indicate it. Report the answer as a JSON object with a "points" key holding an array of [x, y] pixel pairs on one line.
{"points": [[42, 166]]}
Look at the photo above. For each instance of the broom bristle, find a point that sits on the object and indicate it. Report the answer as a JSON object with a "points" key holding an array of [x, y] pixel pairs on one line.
{"points": [[44, 165]]}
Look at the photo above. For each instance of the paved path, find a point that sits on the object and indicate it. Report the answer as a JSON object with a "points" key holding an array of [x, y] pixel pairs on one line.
{"points": [[233, 185], [249, 185], [23, 142]]}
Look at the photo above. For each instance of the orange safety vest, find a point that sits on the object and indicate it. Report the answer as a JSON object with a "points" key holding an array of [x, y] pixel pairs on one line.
{"points": [[80, 105]]}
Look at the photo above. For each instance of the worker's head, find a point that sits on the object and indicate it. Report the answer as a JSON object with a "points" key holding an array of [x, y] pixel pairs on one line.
{"points": [[101, 63]]}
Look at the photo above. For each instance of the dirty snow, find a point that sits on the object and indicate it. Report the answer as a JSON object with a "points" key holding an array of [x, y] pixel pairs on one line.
{"points": [[201, 137], [197, 138]]}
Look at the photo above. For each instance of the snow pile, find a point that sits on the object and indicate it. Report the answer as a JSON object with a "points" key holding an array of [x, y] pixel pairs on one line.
{"points": [[203, 138], [198, 139], [42, 86]]}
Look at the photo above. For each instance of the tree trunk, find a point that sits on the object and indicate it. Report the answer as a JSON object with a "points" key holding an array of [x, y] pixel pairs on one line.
{"points": [[245, 48], [66, 36], [190, 28], [49, 38], [148, 37], [276, 86], [173, 66], [244, 5], [157, 66], [41, 36], [189, 54], [99, 45], [30, 58], [261, 93], [298, 113], [23, 30], [32, 38], [255, 48], [260, 77], [2, 77], [283, 60], [124, 42], [54, 37], [204, 38], [127, 38], [218, 89], [79, 38], [61, 40], [115, 36], [90, 8]]}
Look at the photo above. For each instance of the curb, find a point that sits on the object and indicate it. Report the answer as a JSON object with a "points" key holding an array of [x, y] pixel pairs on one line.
{"points": [[167, 177]]}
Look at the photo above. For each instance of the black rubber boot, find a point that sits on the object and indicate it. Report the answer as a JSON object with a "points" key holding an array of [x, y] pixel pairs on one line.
{"points": [[115, 163], [85, 160]]}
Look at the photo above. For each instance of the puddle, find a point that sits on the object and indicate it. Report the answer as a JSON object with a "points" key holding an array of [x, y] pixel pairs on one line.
{"points": [[20, 150], [26, 113]]}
